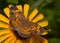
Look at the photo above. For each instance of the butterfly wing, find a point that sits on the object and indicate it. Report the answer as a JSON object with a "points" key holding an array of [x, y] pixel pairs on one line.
{"points": [[19, 23]]}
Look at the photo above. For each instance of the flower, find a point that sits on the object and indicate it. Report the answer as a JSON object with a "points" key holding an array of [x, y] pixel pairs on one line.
{"points": [[7, 35]]}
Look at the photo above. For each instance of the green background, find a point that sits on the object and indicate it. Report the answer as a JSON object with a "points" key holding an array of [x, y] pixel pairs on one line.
{"points": [[50, 9]]}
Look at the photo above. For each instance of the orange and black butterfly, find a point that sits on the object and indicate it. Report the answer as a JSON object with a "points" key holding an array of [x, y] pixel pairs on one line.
{"points": [[22, 26]]}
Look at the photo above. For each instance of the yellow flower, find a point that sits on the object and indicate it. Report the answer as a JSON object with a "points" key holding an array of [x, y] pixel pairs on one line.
{"points": [[7, 35]]}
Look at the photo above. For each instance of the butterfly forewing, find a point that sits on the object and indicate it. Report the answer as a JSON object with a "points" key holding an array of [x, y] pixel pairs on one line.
{"points": [[19, 23]]}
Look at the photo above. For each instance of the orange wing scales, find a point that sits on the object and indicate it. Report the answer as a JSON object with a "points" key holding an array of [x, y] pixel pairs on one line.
{"points": [[23, 27]]}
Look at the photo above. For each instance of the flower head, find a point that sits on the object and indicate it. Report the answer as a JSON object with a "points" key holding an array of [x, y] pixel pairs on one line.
{"points": [[19, 23]]}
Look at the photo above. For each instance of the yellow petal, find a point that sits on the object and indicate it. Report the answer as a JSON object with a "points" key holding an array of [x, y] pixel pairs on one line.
{"points": [[7, 12], [45, 32], [37, 18], [43, 23], [13, 40], [38, 39], [18, 41], [9, 39], [19, 7], [35, 39], [4, 19], [33, 14], [31, 41], [2, 38], [4, 25], [44, 40], [5, 31], [26, 8]]}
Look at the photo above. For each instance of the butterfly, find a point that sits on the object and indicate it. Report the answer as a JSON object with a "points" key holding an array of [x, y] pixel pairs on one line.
{"points": [[23, 27]]}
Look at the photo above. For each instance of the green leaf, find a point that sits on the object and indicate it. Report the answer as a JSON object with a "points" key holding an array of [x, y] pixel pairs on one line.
{"points": [[57, 4], [36, 4], [49, 1], [30, 2], [54, 40], [13, 1], [50, 14]]}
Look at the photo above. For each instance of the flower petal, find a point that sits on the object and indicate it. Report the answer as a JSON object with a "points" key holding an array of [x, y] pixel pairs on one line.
{"points": [[4, 25], [2, 38], [18, 41], [9, 39], [26, 8], [13, 40], [43, 23], [5, 31], [7, 12], [4, 19], [37, 18], [33, 14], [45, 32], [19, 7], [31, 41], [44, 40], [37, 39]]}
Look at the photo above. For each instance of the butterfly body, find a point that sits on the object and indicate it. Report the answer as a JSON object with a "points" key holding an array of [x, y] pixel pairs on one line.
{"points": [[23, 27]]}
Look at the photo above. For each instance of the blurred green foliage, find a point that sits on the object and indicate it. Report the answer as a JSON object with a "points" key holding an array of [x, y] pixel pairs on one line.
{"points": [[13, 1], [54, 40], [50, 9]]}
